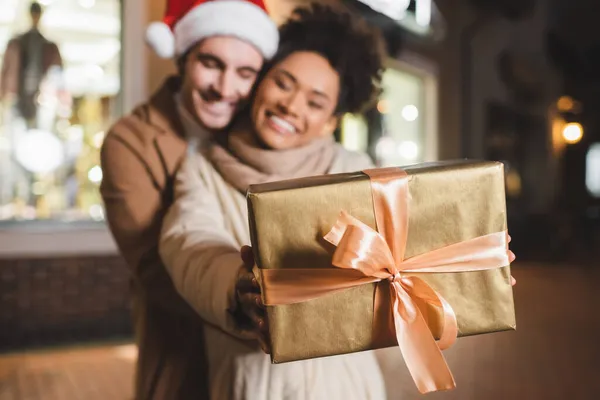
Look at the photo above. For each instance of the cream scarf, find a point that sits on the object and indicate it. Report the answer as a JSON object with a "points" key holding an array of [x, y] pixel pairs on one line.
{"points": [[242, 161]]}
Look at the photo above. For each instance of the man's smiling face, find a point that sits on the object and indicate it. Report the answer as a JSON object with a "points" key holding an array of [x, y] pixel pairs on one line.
{"points": [[218, 73]]}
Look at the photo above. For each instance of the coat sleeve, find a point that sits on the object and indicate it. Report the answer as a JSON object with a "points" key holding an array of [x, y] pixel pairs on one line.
{"points": [[133, 212], [198, 251]]}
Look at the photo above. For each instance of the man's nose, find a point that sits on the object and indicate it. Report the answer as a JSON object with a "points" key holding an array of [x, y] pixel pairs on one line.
{"points": [[226, 86]]}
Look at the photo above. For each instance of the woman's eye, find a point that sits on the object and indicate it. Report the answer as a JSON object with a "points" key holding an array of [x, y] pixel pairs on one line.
{"points": [[281, 84], [316, 106]]}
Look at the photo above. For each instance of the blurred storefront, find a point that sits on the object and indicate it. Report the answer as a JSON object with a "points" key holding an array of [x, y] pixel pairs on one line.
{"points": [[402, 128], [50, 153], [49, 156], [61, 279]]}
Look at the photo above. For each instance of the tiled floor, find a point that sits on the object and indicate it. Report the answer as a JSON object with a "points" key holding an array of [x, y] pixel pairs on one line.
{"points": [[89, 373], [554, 354]]}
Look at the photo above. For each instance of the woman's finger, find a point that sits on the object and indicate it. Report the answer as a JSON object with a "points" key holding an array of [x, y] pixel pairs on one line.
{"points": [[247, 257], [253, 307], [247, 283], [511, 256], [261, 337]]}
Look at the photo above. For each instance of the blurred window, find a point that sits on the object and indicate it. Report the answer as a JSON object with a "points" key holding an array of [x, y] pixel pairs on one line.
{"points": [[400, 111], [60, 90], [592, 170]]}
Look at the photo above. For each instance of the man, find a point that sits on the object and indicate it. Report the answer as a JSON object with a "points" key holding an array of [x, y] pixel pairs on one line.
{"points": [[27, 60], [219, 45]]}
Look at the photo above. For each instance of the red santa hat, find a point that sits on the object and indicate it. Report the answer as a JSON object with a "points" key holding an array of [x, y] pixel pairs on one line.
{"points": [[188, 21]]}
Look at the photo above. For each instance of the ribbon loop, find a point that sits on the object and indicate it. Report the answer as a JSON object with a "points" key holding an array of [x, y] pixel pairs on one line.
{"points": [[372, 258]]}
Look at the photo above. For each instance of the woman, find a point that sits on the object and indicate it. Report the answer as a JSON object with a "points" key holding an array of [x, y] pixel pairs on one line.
{"points": [[327, 65]]}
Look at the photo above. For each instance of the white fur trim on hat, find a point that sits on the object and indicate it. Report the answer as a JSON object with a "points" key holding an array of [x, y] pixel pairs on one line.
{"points": [[240, 19], [161, 39]]}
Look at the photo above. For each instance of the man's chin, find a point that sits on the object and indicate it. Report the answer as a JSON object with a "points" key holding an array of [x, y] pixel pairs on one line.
{"points": [[213, 123]]}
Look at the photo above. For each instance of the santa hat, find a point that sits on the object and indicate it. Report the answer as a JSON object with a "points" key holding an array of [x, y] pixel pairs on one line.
{"points": [[188, 21]]}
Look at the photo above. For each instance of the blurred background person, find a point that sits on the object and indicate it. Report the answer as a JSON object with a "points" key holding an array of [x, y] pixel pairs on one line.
{"points": [[28, 58]]}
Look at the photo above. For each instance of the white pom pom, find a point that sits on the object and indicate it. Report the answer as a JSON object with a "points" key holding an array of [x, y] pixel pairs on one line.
{"points": [[161, 39]]}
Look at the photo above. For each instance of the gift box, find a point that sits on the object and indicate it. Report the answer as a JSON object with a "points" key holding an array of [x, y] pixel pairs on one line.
{"points": [[448, 203]]}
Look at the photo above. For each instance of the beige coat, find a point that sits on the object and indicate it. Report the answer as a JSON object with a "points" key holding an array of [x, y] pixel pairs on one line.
{"points": [[140, 157], [201, 237]]}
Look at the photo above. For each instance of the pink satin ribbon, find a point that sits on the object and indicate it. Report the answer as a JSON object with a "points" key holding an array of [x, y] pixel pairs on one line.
{"points": [[364, 255]]}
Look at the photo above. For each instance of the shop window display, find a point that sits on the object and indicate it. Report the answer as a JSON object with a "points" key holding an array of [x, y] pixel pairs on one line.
{"points": [[59, 92], [393, 133]]}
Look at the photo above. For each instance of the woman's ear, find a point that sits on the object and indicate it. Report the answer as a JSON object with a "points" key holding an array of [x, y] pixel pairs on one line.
{"points": [[330, 126]]}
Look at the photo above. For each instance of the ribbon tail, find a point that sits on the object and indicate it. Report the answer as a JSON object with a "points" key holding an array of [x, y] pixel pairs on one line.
{"points": [[450, 330], [421, 353], [422, 290]]}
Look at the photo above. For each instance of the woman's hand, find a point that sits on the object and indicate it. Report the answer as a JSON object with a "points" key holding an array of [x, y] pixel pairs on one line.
{"points": [[250, 301], [511, 258]]}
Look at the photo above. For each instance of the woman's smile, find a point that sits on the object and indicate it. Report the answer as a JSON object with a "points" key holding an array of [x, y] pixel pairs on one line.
{"points": [[280, 125]]}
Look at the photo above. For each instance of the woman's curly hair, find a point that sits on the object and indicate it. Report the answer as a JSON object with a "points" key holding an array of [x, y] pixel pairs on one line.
{"points": [[352, 48]]}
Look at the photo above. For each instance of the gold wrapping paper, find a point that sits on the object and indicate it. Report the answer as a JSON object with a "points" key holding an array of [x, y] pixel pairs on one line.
{"points": [[451, 202]]}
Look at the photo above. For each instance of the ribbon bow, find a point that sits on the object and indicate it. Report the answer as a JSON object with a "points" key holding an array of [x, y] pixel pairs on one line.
{"points": [[364, 255], [361, 248]]}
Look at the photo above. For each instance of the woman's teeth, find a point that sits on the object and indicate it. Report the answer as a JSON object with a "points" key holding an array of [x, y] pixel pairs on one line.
{"points": [[283, 125]]}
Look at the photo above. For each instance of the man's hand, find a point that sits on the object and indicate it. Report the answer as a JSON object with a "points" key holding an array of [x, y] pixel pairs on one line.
{"points": [[250, 302]]}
